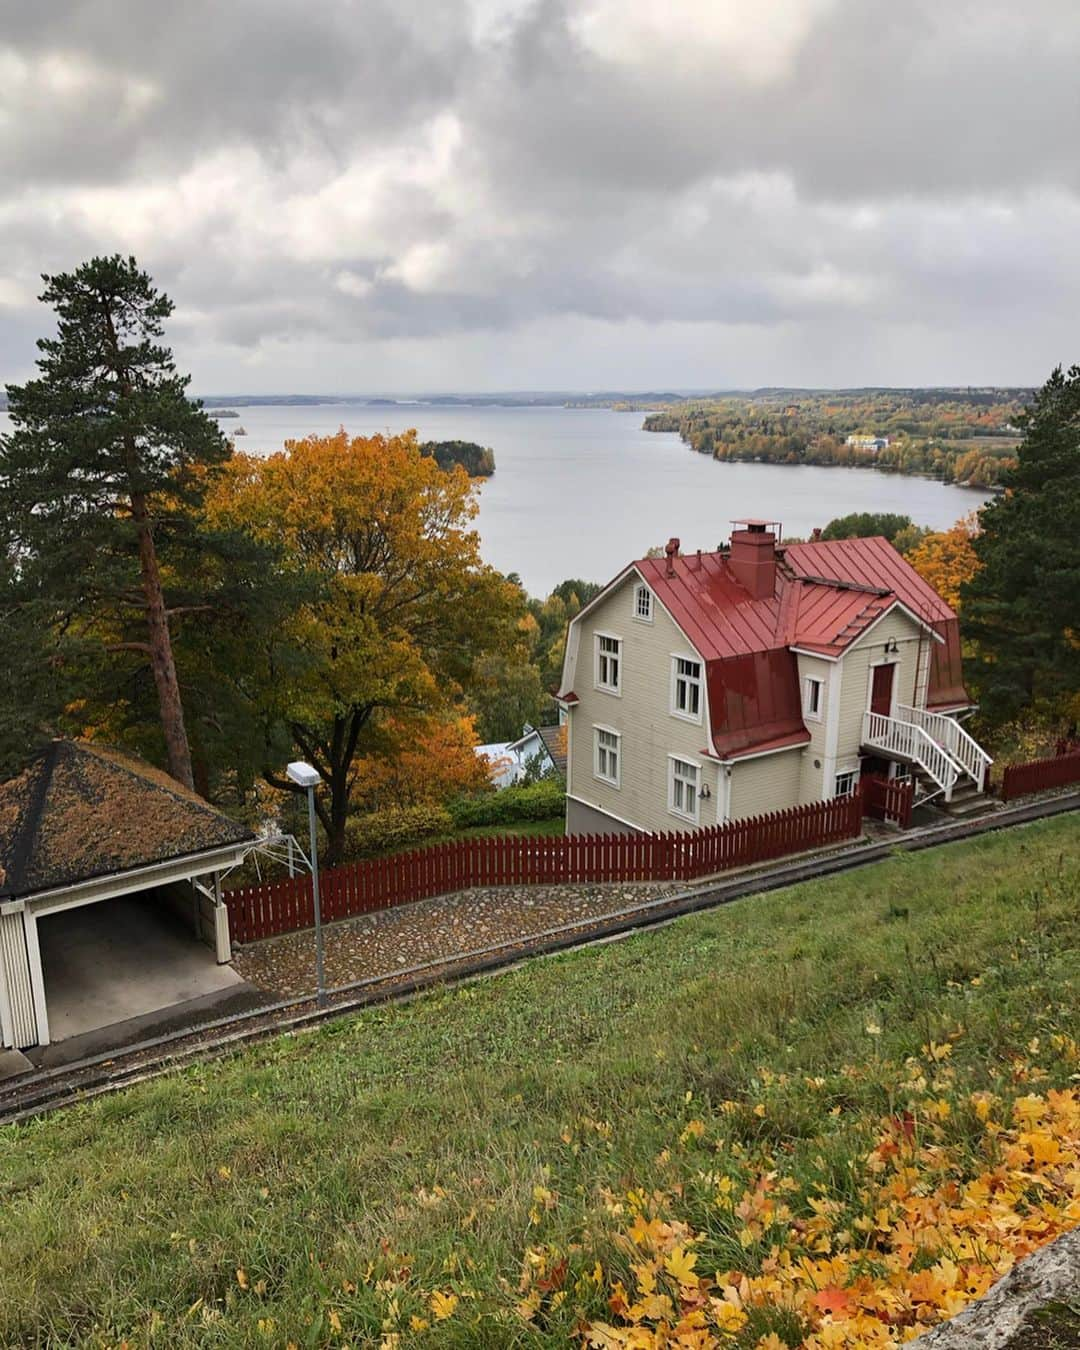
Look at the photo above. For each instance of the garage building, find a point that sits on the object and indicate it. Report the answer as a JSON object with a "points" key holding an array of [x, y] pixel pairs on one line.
{"points": [[110, 894]]}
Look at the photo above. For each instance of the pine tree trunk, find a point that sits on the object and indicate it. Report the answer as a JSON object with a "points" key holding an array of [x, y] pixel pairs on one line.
{"points": [[161, 656]]}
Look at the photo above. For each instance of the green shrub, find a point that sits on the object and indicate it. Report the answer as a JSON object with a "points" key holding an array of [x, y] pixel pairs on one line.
{"points": [[531, 801], [395, 828]]}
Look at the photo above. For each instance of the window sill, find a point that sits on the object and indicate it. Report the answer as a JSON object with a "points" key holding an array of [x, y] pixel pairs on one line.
{"points": [[679, 815], [686, 717]]}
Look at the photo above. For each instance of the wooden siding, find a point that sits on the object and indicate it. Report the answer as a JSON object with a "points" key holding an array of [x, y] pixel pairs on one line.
{"points": [[856, 675], [640, 714], [769, 783], [812, 786]]}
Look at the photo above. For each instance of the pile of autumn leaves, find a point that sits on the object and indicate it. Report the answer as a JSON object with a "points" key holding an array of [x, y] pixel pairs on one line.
{"points": [[732, 1250], [956, 1189]]}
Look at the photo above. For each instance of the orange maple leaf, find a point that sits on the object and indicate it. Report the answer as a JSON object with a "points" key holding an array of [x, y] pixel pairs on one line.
{"points": [[834, 1301]]}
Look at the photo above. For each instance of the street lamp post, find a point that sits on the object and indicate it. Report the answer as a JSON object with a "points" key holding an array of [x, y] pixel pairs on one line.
{"points": [[303, 775]]}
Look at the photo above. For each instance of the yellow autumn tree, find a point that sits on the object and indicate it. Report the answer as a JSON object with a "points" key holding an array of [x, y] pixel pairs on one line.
{"points": [[404, 603], [946, 559], [413, 761]]}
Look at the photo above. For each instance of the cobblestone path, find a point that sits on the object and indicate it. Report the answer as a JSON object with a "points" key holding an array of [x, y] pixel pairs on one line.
{"points": [[441, 929]]}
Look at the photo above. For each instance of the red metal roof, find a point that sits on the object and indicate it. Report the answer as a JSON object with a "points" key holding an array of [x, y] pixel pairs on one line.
{"points": [[869, 562], [826, 595], [877, 561], [806, 609]]}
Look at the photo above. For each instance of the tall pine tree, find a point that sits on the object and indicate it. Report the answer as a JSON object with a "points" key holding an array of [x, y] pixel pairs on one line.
{"points": [[1022, 607], [104, 471]]}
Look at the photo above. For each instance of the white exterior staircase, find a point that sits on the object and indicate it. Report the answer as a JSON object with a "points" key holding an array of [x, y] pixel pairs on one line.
{"points": [[944, 758]]}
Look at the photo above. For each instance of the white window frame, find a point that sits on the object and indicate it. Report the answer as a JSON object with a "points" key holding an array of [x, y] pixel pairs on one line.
{"points": [[615, 688], [599, 731], [642, 591], [809, 712], [691, 681], [853, 774], [695, 817]]}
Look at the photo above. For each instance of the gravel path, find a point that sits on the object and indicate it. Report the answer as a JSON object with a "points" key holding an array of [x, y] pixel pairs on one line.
{"points": [[433, 930]]}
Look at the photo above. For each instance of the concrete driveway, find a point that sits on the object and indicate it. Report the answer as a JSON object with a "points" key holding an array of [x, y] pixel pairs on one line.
{"points": [[128, 961]]}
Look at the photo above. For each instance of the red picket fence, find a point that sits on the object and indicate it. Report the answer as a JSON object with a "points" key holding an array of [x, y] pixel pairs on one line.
{"points": [[888, 799], [380, 883], [1039, 774]]}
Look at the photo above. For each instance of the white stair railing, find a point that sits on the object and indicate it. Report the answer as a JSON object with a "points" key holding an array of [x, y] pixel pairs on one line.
{"points": [[949, 734], [907, 740]]}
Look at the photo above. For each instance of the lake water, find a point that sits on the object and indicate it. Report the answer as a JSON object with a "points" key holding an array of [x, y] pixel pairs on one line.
{"points": [[579, 492]]}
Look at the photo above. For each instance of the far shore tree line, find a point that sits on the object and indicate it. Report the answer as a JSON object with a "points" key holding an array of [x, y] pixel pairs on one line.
{"points": [[962, 436], [222, 613]]}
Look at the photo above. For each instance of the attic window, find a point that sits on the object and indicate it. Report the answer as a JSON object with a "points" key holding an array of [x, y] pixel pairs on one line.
{"points": [[643, 603], [813, 698]]}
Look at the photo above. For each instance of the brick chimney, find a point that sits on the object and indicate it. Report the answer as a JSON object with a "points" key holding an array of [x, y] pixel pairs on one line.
{"points": [[671, 552], [753, 557]]}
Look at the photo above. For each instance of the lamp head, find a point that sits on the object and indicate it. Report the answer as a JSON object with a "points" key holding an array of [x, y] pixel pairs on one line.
{"points": [[302, 774]]}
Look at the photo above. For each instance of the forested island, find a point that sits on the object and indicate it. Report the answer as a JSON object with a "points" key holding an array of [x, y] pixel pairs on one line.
{"points": [[965, 436], [478, 461]]}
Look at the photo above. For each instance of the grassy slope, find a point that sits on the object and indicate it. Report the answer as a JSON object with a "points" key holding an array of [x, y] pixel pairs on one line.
{"points": [[426, 1128]]}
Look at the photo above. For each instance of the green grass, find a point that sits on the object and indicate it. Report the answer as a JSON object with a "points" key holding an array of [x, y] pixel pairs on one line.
{"points": [[555, 825], [412, 1138]]}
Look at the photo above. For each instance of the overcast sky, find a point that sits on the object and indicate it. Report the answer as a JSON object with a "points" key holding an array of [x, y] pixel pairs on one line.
{"points": [[396, 195]]}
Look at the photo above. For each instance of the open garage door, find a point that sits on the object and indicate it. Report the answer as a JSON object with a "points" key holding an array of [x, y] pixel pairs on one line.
{"points": [[121, 959]]}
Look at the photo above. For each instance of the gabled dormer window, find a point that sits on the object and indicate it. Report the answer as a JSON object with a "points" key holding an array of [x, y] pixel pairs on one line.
{"points": [[642, 603]]}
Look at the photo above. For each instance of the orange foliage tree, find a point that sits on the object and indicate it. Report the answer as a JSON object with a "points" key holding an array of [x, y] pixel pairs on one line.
{"points": [[405, 604], [419, 760], [947, 560]]}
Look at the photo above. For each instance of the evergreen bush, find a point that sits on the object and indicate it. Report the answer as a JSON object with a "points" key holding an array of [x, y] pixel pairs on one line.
{"points": [[531, 801]]}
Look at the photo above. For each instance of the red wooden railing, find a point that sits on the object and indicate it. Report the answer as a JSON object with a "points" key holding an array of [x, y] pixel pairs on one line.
{"points": [[1039, 774], [380, 883], [888, 799]]}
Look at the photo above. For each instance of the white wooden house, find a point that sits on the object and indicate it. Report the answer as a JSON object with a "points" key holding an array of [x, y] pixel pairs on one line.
{"points": [[713, 686]]}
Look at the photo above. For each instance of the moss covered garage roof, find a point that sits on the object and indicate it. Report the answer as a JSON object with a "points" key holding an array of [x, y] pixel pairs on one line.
{"points": [[80, 811]]}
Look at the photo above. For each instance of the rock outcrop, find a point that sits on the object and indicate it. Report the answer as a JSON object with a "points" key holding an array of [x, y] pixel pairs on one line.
{"points": [[1036, 1306]]}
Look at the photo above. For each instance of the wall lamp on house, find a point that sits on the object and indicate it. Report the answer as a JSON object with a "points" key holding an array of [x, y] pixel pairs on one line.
{"points": [[892, 647], [706, 792]]}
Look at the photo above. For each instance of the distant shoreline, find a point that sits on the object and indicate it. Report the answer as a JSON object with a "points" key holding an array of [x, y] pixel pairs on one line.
{"points": [[616, 399]]}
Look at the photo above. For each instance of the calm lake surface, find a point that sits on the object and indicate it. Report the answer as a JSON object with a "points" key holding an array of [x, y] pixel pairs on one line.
{"points": [[580, 492]]}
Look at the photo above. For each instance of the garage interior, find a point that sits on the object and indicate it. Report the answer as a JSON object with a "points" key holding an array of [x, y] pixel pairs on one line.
{"points": [[124, 959]]}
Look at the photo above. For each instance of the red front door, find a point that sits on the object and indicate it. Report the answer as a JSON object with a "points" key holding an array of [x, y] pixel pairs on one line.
{"points": [[881, 690]]}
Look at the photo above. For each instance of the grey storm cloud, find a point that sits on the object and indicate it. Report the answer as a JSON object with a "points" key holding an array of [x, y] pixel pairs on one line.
{"points": [[693, 191]]}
